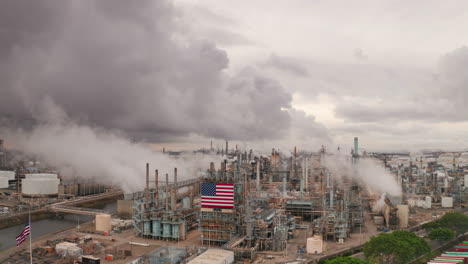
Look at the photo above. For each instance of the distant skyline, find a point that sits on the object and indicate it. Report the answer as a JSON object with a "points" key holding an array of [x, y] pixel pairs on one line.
{"points": [[261, 73]]}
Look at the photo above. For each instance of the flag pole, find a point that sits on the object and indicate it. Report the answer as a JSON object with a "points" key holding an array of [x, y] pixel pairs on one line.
{"points": [[30, 235]]}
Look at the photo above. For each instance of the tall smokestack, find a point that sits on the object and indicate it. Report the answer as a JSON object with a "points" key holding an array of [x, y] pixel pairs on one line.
{"points": [[174, 191], [284, 187], [356, 146], [227, 147], [156, 189], [211, 145], [258, 175], [303, 168], [294, 161], [147, 186], [166, 195], [307, 174]]}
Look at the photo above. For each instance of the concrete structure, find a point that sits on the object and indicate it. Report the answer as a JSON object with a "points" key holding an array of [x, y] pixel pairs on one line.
{"points": [[125, 207], [378, 220], [41, 176], [9, 174], [103, 222], [315, 244], [447, 202], [3, 182], [214, 256], [68, 249], [167, 255], [40, 186], [402, 214], [466, 180]]}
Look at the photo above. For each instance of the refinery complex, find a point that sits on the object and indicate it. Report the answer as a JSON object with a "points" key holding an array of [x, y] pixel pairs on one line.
{"points": [[299, 206]]}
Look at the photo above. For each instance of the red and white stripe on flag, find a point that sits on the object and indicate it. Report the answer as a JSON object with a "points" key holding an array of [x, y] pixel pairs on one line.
{"points": [[24, 234], [217, 195]]}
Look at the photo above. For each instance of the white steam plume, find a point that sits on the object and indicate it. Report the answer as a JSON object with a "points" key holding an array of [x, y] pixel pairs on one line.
{"points": [[87, 152], [379, 205], [367, 172]]}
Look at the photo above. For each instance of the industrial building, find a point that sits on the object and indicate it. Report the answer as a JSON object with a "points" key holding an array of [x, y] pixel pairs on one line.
{"points": [[249, 203]]}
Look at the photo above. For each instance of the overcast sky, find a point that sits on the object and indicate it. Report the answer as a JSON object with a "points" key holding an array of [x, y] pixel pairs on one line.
{"points": [[258, 72]]}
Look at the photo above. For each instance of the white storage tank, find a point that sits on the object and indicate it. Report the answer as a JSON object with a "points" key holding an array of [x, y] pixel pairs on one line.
{"points": [[447, 202], [3, 182], [428, 202], [40, 186], [9, 174], [315, 244], [214, 256], [466, 180], [420, 203], [41, 176]]}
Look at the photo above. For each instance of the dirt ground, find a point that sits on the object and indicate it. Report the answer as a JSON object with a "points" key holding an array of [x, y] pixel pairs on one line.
{"points": [[114, 242]]}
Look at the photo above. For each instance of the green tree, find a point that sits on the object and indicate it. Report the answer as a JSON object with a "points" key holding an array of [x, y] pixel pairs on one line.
{"points": [[452, 220], [419, 244], [441, 234], [431, 225], [346, 260], [398, 247], [455, 221]]}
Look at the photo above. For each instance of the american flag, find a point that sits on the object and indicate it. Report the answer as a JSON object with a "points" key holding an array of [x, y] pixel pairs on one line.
{"points": [[217, 195], [24, 234]]}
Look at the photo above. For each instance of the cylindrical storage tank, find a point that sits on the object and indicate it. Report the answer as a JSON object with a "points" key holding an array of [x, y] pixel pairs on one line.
{"points": [[466, 180], [103, 222], [156, 228], [175, 231], [3, 182], [420, 203], [41, 176], [166, 230], [9, 174], [186, 203], [147, 227], [428, 202], [40, 186], [447, 202]]}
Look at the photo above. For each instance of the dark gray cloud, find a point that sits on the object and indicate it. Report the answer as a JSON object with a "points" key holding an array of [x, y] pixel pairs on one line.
{"points": [[125, 66], [440, 99]]}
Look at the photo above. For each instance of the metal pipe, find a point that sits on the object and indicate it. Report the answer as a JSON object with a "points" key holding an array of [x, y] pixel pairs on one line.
{"points": [[284, 186], [307, 174], [356, 146], [174, 191], [147, 186], [258, 175], [156, 189], [166, 203]]}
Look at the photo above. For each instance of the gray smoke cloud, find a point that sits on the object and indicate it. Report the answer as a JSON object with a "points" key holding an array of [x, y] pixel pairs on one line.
{"points": [[81, 81], [94, 153], [131, 67], [367, 172]]}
